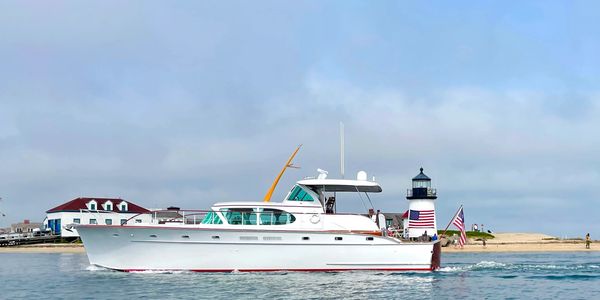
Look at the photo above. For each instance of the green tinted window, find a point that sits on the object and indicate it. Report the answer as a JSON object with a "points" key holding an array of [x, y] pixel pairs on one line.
{"points": [[276, 217], [299, 194], [266, 218], [262, 217], [212, 218], [240, 217]]}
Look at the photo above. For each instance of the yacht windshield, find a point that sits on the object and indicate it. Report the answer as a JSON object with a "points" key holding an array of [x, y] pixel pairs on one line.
{"points": [[299, 194], [212, 218]]}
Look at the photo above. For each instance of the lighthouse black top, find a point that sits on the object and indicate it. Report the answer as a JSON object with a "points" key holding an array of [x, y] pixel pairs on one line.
{"points": [[421, 188], [421, 176]]}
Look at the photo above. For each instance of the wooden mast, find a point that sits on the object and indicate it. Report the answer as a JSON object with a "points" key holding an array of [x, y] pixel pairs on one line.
{"points": [[287, 165]]}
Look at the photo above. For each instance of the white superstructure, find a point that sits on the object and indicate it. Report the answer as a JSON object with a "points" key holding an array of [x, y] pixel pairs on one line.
{"points": [[303, 232]]}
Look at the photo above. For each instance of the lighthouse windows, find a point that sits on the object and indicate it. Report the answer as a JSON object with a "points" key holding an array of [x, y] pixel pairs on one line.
{"points": [[421, 184]]}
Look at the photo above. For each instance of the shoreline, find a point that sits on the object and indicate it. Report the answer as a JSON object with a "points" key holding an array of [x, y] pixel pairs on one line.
{"points": [[521, 247], [44, 248], [503, 242]]}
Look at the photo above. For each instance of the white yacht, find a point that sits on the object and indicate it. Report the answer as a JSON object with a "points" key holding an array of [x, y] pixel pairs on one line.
{"points": [[301, 233]]}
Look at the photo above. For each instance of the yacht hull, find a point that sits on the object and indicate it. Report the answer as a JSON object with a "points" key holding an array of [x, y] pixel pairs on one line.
{"points": [[141, 248]]}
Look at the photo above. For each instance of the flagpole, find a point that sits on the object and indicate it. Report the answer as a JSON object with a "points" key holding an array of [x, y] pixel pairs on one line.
{"points": [[449, 223]]}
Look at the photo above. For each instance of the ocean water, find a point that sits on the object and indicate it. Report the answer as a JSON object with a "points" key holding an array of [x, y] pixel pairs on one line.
{"points": [[463, 275]]}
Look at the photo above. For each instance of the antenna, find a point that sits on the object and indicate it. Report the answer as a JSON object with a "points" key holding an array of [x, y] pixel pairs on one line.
{"points": [[342, 149], [1, 213]]}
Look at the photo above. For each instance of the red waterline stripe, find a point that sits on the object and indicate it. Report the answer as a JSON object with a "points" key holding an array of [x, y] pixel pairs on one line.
{"points": [[280, 270]]}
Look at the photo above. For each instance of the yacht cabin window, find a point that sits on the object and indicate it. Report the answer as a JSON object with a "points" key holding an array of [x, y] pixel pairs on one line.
{"points": [[259, 216], [270, 216], [299, 194]]}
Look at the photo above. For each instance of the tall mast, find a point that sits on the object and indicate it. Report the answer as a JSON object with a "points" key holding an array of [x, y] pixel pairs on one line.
{"points": [[342, 149]]}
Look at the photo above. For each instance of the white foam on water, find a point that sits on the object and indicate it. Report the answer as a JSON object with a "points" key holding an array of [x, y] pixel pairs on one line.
{"points": [[489, 264], [479, 265], [452, 269], [94, 268]]}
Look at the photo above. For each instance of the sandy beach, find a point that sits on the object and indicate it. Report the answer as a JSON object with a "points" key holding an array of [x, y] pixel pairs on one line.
{"points": [[45, 248], [503, 242], [524, 242]]}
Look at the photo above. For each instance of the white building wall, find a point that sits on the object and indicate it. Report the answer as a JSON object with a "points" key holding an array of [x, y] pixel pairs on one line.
{"points": [[422, 204], [68, 218]]}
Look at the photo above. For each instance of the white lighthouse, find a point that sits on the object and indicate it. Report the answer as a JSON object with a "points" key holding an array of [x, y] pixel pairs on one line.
{"points": [[421, 207]]}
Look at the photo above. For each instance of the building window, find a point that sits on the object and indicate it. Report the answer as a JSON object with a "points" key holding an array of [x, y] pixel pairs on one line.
{"points": [[123, 221], [123, 206], [77, 221], [93, 221], [138, 220], [108, 221], [108, 206]]}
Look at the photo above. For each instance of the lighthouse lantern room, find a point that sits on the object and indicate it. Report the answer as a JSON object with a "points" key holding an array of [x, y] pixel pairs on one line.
{"points": [[421, 207]]}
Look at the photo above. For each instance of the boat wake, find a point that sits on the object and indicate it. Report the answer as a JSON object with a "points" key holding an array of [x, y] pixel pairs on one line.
{"points": [[495, 266]]}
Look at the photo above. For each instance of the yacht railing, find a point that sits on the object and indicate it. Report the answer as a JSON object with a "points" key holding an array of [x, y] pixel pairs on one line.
{"points": [[193, 217], [179, 216]]}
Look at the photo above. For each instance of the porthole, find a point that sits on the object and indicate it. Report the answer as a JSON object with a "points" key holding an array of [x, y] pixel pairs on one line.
{"points": [[115, 234], [185, 236], [338, 238], [153, 235], [305, 238], [370, 238], [215, 237]]}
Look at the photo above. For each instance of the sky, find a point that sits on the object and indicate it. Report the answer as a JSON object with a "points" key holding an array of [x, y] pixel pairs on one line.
{"points": [[188, 103]]}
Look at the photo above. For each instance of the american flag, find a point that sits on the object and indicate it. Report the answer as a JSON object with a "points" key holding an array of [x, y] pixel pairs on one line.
{"points": [[421, 218], [459, 222]]}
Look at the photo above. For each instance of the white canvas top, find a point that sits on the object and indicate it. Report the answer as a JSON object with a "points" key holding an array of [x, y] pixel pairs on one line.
{"points": [[343, 185]]}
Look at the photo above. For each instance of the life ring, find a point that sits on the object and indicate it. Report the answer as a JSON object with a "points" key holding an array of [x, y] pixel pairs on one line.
{"points": [[315, 219]]}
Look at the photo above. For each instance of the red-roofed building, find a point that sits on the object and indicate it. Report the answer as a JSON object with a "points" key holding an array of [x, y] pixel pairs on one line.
{"points": [[103, 211]]}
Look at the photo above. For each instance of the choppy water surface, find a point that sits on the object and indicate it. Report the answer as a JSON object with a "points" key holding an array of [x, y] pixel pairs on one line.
{"points": [[473, 276]]}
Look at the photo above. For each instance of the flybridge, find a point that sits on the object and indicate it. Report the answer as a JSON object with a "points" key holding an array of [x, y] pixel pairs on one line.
{"points": [[342, 185]]}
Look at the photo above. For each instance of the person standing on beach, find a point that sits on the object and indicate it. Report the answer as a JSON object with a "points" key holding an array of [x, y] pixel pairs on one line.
{"points": [[587, 241]]}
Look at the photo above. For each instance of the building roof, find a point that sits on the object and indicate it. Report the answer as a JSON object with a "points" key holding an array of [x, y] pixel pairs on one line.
{"points": [[81, 203], [421, 176]]}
